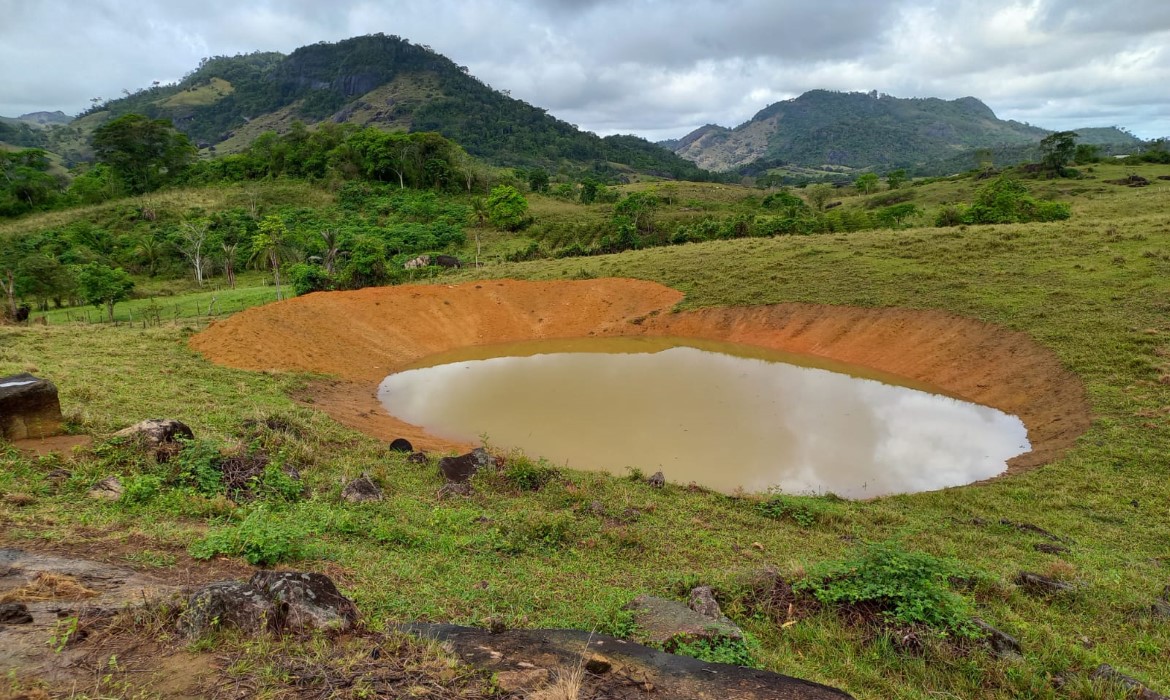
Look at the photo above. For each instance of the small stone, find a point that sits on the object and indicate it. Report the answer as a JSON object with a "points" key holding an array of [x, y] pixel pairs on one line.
{"points": [[1049, 548], [452, 489], [656, 480], [417, 458], [14, 614], [361, 490], [703, 601], [598, 666], [59, 475], [668, 623], [153, 433], [1003, 645], [1161, 608], [109, 488], [401, 445], [1138, 690], [597, 508], [1042, 585]]}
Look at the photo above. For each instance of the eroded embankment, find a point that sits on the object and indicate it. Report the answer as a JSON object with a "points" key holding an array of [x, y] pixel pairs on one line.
{"points": [[362, 336]]}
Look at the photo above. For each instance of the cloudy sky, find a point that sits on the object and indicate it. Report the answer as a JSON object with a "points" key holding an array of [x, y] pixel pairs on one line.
{"points": [[657, 68]]}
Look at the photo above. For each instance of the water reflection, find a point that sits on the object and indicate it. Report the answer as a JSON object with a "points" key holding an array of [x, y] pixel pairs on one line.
{"points": [[709, 415]]}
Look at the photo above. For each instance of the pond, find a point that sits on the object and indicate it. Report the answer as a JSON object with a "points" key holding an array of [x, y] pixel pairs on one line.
{"points": [[728, 417]]}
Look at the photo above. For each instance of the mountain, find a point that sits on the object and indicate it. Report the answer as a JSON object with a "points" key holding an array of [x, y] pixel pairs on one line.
{"points": [[866, 130], [384, 81]]}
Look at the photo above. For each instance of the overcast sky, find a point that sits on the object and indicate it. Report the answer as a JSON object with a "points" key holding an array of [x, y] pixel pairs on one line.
{"points": [[654, 68]]}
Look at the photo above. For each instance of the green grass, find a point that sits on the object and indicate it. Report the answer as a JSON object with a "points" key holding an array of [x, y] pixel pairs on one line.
{"points": [[1095, 290]]}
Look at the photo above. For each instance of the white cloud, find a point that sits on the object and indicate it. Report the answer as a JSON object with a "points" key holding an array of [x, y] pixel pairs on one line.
{"points": [[644, 66]]}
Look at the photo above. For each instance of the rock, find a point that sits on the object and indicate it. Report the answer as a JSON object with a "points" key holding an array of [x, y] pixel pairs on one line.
{"points": [[1002, 644], [230, 604], [669, 623], [14, 614], [417, 458], [452, 489], [58, 475], [29, 408], [158, 435], [616, 668], [1042, 585], [109, 488], [1049, 548], [1138, 690], [401, 445], [362, 490], [703, 601], [311, 601], [1161, 606], [463, 467], [656, 480]]}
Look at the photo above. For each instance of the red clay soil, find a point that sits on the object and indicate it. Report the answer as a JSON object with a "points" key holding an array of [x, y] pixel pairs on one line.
{"points": [[361, 337]]}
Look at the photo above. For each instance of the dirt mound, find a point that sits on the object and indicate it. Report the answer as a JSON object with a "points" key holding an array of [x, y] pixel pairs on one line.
{"points": [[362, 336]]}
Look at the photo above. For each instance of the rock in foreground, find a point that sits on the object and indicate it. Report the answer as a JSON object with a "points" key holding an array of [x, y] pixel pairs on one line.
{"points": [[29, 408]]}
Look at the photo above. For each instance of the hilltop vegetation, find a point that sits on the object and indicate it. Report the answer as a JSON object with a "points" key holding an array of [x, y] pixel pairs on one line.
{"points": [[866, 130]]}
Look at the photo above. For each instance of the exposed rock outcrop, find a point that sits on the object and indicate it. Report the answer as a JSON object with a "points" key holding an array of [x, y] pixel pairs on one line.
{"points": [[29, 408]]}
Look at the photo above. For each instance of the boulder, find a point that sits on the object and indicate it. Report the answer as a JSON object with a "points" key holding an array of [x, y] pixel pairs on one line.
{"points": [[417, 458], [702, 600], [669, 623], [230, 604], [362, 490], [155, 434], [310, 601], [29, 408], [452, 489], [657, 480], [401, 445], [109, 488], [462, 468]]}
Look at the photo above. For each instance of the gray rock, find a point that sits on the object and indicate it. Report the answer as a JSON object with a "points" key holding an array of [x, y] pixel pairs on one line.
{"points": [[1049, 548], [401, 445], [154, 434], [417, 458], [1161, 606], [311, 601], [230, 604], [702, 601], [14, 614], [1138, 690], [1002, 644], [453, 489], [669, 623], [29, 408], [657, 480], [462, 468], [109, 488], [1042, 585], [362, 490]]}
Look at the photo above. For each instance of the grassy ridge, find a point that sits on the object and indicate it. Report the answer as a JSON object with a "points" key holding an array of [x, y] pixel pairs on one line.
{"points": [[1096, 290]]}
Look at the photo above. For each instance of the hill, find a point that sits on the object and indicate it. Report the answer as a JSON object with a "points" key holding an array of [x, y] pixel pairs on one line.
{"points": [[867, 130], [388, 82]]}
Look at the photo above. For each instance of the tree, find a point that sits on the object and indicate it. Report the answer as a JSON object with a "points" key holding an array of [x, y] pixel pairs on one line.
{"points": [[818, 195], [1087, 153], [193, 235], [1057, 151], [538, 180], [638, 208], [896, 179], [270, 247], [100, 284], [866, 182], [507, 208], [589, 189], [144, 153], [25, 183]]}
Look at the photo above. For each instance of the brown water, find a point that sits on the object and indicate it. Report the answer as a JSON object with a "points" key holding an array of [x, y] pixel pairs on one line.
{"points": [[725, 416]]}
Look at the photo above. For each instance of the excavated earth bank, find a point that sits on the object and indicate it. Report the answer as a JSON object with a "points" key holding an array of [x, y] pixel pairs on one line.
{"points": [[361, 337]]}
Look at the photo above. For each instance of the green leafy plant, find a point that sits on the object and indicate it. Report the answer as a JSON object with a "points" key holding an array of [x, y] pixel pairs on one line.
{"points": [[141, 488], [526, 474], [198, 465], [261, 539], [804, 511], [907, 587], [738, 652]]}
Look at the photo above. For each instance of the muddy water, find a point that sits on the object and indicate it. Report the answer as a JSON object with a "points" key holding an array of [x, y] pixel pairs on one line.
{"points": [[725, 416]]}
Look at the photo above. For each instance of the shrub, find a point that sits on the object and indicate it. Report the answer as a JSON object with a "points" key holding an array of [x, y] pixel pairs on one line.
{"points": [[1003, 201], [141, 488], [907, 587], [308, 278], [724, 651], [507, 208], [526, 474], [261, 539], [198, 465], [804, 511]]}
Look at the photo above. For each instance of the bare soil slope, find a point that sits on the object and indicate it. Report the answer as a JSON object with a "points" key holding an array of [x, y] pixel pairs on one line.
{"points": [[362, 336]]}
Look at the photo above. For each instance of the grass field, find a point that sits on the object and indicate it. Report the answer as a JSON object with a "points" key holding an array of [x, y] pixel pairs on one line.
{"points": [[1094, 289]]}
